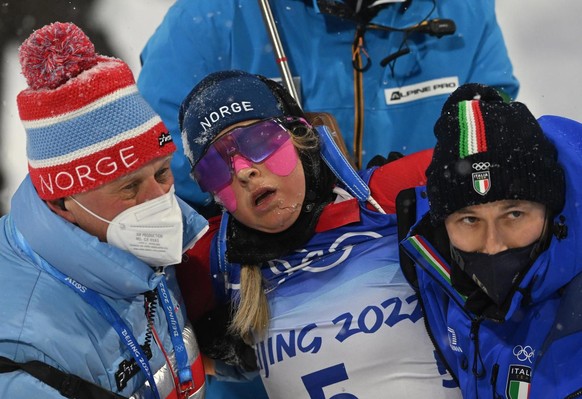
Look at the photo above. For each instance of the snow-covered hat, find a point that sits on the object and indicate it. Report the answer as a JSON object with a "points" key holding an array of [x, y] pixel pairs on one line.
{"points": [[86, 123], [224, 98], [489, 150]]}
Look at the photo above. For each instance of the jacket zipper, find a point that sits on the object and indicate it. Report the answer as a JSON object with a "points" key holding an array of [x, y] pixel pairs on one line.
{"points": [[358, 49], [474, 335], [494, 373]]}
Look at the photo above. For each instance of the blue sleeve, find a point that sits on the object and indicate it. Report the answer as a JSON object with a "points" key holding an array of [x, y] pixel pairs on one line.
{"points": [[217, 389], [21, 385], [491, 63], [174, 59]]}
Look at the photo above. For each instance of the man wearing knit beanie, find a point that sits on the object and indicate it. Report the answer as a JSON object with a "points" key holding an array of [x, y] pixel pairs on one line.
{"points": [[88, 248], [488, 150], [495, 256]]}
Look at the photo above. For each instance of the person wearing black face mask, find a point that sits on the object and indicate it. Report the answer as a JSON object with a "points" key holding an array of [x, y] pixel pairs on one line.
{"points": [[494, 255]]}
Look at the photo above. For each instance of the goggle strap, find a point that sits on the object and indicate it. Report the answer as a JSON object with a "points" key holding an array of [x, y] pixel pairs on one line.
{"points": [[340, 166]]}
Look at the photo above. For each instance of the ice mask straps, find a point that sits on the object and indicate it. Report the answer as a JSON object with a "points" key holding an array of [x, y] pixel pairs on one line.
{"points": [[151, 231]]}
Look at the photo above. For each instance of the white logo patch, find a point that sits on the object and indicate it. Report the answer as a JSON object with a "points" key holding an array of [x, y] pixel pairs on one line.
{"points": [[453, 343], [418, 91], [523, 353]]}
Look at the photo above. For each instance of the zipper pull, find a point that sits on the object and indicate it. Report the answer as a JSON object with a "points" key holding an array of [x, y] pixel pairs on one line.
{"points": [[475, 324], [359, 52]]}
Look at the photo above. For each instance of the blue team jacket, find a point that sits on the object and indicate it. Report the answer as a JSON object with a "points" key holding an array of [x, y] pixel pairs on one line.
{"points": [[45, 320], [535, 350], [401, 103]]}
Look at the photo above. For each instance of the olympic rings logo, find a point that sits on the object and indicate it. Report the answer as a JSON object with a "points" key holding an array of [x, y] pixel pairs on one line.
{"points": [[481, 166], [523, 353]]}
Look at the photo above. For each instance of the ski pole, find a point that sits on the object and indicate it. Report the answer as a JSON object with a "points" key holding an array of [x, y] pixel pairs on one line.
{"points": [[280, 57]]}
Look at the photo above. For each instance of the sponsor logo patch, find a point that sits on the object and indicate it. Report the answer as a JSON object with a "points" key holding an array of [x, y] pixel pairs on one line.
{"points": [[418, 91]]}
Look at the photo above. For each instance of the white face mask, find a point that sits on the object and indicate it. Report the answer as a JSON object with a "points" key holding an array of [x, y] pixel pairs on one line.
{"points": [[152, 231]]}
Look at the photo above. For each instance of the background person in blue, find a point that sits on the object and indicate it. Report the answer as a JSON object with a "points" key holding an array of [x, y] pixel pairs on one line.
{"points": [[379, 108], [498, 253], [83, 290], [306, 250]]}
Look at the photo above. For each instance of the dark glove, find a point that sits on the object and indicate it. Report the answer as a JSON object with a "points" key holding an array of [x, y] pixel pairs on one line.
{"points": [[379, 160], [216, 342]]}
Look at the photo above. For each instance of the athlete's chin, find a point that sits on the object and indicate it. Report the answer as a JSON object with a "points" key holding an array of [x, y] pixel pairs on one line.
{"points": [[276, 222]]}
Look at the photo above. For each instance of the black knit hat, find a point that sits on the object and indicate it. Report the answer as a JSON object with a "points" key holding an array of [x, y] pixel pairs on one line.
{"points": [[489, 150]]}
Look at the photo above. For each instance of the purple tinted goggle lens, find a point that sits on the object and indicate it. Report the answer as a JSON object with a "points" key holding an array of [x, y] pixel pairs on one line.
{"points": [[255, 142]]}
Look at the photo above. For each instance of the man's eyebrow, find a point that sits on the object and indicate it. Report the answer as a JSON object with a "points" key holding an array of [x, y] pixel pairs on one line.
{"points": [[513, 204], [121, 184], [122, 180], [465, 211], [127, 178]]}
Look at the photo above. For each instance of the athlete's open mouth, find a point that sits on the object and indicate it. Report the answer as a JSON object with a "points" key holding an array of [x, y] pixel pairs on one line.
{"points": [[263, 196]]}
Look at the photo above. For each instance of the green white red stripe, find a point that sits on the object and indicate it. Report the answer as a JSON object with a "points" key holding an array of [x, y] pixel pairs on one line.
{"points": [[481, 185], [472, 138], [519, 389], [431, 256]]}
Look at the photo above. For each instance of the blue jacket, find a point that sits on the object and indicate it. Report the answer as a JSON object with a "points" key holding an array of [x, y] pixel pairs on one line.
{"points": [[536, 347], [400, 104], [44, 319]]}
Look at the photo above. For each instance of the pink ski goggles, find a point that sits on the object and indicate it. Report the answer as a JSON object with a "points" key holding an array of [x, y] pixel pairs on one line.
{"points": [[255, 142]]}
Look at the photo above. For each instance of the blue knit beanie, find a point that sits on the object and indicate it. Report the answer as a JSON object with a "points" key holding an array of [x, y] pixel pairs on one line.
{"points": [[224, 98]]}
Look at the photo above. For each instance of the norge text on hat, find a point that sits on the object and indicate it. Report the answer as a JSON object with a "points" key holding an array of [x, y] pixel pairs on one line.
{"points": [[86, 123], [224, 98]]}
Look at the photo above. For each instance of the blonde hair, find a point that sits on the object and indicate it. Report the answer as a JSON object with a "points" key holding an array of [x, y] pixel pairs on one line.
{"points": [[305, 138], [251, 315]]}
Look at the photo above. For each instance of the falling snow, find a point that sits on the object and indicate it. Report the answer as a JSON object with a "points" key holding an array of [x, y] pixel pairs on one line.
{"points": [[541, 41]]}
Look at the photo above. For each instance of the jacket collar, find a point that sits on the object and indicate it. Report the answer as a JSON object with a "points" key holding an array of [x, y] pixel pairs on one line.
{"points": [[81, 256]]}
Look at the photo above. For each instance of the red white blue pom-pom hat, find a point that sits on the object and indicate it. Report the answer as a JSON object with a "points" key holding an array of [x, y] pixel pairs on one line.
{"points": [[86, 123]]}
